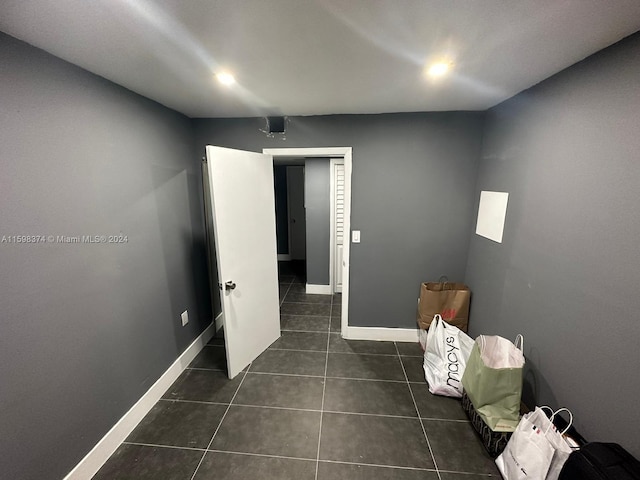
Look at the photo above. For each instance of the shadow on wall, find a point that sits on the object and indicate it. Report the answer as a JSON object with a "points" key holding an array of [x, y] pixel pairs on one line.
{"points": [[499, 279], [199, 261], [178, 208], [534, 382]]}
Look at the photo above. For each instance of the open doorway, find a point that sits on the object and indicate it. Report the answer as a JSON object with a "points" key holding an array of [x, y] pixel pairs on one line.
{"points": [[323, 274], [291, 231]]}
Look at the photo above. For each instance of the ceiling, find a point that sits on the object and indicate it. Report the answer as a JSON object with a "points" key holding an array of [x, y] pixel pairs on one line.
{"points": [[311, 57]]}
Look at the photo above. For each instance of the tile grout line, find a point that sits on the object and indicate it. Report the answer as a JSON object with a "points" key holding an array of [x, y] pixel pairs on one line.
{"points": [[275, 407], [329, 377], [266, 455], [220, 424], [200, 402], [302, 331], [324, 389], [341, 353], [254, 454], [424, 431], [157, 445], [396, 467], [315, 410], [285, 293], [308, 303]]}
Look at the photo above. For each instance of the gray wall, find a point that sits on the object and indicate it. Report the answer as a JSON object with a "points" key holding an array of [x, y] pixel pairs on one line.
{"points": [[567, 274], [412, 197], [86, 329], [318, 219]]}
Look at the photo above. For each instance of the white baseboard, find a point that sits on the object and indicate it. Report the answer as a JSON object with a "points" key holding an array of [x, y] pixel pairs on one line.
{"points": [[97, 457], [284, 257], [382, 334], [318, 289], [218, 322]]}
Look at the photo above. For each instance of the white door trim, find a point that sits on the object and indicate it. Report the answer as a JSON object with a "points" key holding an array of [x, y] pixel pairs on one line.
{"points": [[331, 152], [318, 289]]}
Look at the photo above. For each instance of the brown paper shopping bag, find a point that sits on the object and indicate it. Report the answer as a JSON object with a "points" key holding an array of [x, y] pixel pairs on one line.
{"points": [[449, 300]]}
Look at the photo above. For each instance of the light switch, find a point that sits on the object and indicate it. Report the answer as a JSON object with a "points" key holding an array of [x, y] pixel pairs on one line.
{"points": [[355, 236]]}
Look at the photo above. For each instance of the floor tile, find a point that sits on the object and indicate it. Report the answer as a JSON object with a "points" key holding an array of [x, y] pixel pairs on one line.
{"points": [[262, 430], [365, 396], [374, 440], [213, 357], [337, 299], [340, 345], [413, 367], [295, 297], [336, 324], [318, 309], [281, 391], [304, 323], [378, 367], [149, 463], [341, 471], [217, 339], [291, 362], [456, 447], [181, 424], [411, 349], [336, 310], [301, 341], [297, 288], [204, 386], [232, 466], [436, 406], [291, 267]]}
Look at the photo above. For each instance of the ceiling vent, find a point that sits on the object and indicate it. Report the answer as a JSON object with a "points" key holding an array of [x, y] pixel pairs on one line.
{"points": [[275, 126]]}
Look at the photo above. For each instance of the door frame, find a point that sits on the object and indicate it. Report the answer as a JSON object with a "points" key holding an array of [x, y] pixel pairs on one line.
{"points": [[345, 153]]}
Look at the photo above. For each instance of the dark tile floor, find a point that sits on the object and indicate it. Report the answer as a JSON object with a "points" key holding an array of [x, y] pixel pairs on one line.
{"points": [[312, 407]]}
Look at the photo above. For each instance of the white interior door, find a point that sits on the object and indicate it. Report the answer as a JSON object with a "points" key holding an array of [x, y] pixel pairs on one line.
{"points": [[243, 207], [339, 197]]}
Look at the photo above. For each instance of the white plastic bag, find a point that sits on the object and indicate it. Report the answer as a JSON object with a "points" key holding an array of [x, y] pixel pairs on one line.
{"points": [[445, 358], [536, 450], [561, 447], [422, 337]]}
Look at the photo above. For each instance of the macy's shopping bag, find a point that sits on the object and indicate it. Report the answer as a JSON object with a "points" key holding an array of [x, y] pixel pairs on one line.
{"points": [[536, 450], [445, 358], [493, 381]]}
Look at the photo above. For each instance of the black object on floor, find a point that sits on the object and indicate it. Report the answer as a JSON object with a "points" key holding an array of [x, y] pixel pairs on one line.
{"points": [[601, 461], [494, 442]]}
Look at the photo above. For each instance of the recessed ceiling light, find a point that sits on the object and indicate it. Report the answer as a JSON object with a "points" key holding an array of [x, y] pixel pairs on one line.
{"points": [[438, 69], [225, 78]]}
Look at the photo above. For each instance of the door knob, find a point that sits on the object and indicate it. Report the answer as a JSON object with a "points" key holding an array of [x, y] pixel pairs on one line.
{"points": [[229, 285]]}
